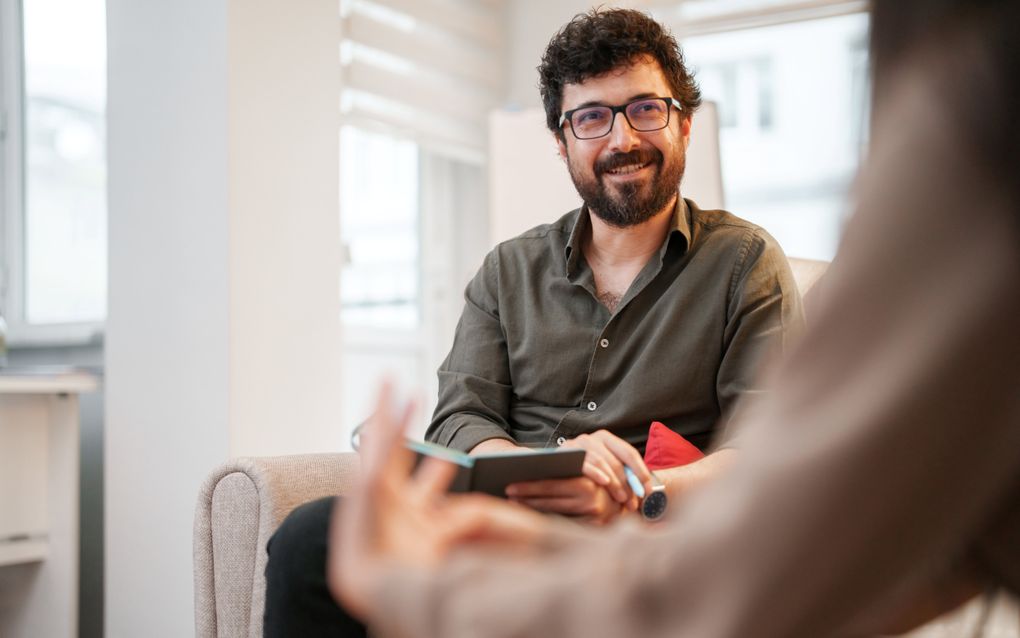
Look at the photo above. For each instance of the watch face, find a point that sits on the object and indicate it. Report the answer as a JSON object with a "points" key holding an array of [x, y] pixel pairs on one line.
{"points": [[654, 506]]}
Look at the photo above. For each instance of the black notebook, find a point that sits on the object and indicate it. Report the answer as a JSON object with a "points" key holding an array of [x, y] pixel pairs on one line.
{"points": [[491, 473]]}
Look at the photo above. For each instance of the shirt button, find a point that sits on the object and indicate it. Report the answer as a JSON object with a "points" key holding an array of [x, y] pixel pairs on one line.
{"points": [[560, 441], [592, 405], [604, 343]]}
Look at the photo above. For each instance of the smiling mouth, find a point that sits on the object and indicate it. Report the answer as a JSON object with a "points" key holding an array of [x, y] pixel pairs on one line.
{"points": [[629, 169]]}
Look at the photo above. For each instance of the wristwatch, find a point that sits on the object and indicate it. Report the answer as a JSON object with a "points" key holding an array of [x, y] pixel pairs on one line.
{"points": [[653, 505]]}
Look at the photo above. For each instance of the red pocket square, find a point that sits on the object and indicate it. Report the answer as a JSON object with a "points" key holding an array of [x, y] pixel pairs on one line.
{"points": [[666, 448]]}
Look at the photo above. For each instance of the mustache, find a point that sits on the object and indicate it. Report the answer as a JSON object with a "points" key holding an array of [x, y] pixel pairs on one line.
{"points": [[637, 156]]}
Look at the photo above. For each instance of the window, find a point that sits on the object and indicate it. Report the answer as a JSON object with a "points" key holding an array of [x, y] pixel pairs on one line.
{"points": [[379, 285], [790, 81], [418, 81], [54, 168], [743, 91]]}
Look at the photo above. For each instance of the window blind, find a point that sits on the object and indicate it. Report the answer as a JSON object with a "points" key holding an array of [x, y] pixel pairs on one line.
{"points": [[426, 69], [700, 17]]}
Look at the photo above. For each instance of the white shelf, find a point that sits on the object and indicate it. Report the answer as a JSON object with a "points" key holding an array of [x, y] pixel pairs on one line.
{"points": [[46, 380], [31, 550], [40, 449]]}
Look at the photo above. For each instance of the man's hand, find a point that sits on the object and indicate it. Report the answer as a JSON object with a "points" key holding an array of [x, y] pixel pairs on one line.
{"points": [[605, 457], [602, 494], [580, 497], [393, 520], [573, 497]]}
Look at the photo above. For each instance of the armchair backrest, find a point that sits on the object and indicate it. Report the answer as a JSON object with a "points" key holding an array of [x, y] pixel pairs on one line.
{"points": [[240, 506]]}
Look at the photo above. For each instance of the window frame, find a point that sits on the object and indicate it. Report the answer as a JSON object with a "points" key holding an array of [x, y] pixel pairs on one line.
{"points": [[12, 184], [691, 20], [737, 19]]}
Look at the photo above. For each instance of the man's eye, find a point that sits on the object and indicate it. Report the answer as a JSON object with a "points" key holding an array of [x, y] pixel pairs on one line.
{"points": [[644, 108], [589, 117]]}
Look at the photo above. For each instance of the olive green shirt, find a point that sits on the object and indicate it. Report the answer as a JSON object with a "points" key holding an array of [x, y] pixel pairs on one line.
{"points": [[537, 359]]}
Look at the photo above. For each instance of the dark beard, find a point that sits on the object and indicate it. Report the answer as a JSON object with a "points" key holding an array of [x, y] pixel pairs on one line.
{"points": [[633, 204]]}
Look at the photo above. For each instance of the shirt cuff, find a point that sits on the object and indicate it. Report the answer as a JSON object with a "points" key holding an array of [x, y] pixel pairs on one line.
{"points": [[468, 435]]}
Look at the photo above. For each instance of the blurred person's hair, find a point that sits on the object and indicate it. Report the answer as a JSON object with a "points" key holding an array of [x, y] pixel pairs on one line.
{"points": [[972, 49], [602, 40]]}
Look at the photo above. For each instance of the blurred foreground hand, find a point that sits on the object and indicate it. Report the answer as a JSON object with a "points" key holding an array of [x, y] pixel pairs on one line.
{"points": [[395, 520]]}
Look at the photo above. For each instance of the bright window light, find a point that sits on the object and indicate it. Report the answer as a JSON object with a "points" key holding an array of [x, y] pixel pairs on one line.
{"points": [[379, 222], [65, 161], [792, 104]]}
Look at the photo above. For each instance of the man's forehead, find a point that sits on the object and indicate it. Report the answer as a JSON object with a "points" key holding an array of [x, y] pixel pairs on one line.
{"points": [[642, 77]]}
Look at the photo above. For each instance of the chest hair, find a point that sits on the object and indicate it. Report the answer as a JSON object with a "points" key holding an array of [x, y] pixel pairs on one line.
{"points": [[611, 284]]}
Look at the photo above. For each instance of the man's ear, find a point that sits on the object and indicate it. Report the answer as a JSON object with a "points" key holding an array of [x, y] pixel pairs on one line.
{"points": [[685, 130], [561, 146]]}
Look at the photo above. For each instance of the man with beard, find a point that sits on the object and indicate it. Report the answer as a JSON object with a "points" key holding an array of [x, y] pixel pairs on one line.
{"points": [[638, 307]]}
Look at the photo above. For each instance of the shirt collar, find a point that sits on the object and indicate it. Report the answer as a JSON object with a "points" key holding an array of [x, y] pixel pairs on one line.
{"points": [[681, 224]]}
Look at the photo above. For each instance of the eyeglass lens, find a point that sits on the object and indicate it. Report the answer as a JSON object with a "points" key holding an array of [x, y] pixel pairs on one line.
{"points": [[643, 115]]}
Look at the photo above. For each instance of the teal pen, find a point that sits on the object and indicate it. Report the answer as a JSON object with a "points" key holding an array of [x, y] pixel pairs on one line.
{"points": [[635, 484]]}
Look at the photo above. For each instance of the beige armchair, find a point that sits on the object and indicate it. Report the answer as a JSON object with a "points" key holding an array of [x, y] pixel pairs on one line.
{"points": [[239, 507]]}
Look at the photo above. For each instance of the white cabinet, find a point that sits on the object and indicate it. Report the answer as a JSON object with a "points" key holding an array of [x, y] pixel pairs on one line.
{"points": [[39, 469]]}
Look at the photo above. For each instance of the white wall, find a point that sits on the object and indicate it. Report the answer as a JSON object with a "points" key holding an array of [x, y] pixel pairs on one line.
{"points": [[222, 336], [166, 339], [284, 238]]}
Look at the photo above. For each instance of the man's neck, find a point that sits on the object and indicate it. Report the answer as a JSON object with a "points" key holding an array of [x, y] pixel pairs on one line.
{"points": [[611, 245]]}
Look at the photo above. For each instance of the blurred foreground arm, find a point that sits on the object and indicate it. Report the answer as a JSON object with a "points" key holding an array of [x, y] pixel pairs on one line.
{"points": [[847, 497]]}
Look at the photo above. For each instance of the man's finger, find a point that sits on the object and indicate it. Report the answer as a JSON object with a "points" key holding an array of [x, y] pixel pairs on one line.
{"points": [[627, 454], [560, 505], [623, 454], [551, 488], [618, 487], [592, 471], [633, 503], [601, 457]]}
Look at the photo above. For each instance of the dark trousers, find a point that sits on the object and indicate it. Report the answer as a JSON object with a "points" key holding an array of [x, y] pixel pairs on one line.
{"points": [[298, 603]]}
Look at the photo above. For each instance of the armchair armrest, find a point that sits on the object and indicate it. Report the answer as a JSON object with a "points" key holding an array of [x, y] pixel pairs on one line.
{"points": [[240, 505]]}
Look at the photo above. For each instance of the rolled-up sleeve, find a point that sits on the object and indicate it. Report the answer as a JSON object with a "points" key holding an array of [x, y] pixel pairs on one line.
{"points": [[474, 380]]}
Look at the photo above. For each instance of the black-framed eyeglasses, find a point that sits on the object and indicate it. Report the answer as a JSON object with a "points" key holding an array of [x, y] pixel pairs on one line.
{"points": [[646, 114]]}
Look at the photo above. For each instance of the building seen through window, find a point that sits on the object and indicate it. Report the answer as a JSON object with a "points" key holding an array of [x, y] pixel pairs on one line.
{"points": [[792, 102]]}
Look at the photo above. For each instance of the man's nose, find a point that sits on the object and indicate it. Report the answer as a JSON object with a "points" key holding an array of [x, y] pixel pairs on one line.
{"points": [[623, 137]]}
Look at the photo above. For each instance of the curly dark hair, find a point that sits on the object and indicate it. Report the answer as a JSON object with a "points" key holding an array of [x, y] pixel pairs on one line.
{"points": [[601, 40]]}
